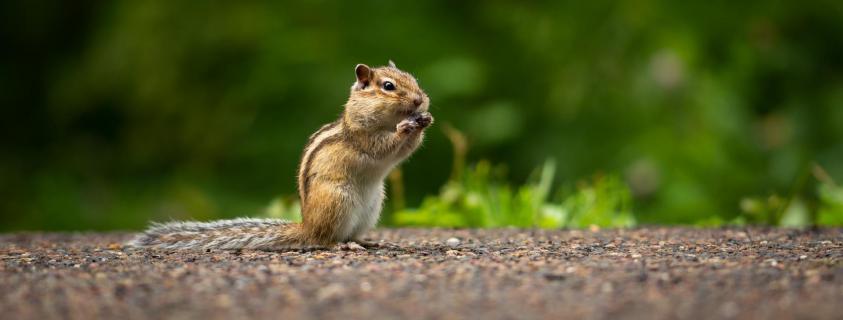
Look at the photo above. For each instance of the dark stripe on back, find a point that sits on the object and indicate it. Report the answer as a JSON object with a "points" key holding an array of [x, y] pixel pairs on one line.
{"points": [[307, 162], [320, 131], [306, 147]]}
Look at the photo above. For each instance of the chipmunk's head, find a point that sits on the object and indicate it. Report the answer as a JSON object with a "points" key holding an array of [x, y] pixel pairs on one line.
{"points": [[383, 96]]}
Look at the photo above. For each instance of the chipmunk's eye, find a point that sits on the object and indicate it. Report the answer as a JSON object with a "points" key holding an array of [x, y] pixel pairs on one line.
{"points": [[388, 86]]}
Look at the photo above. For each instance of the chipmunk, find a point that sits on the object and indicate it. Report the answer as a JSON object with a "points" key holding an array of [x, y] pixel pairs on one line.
{"points": [[340, 178]]}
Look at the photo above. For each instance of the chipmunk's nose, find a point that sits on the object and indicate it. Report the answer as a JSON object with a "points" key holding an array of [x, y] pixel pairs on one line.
{"points": [[418, 101]]}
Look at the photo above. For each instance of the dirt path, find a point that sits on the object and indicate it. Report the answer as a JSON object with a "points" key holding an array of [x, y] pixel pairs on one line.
{"points": [[525, 274]]}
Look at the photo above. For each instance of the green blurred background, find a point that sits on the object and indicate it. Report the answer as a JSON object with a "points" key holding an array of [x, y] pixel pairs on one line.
{"points": [[698, 112]]}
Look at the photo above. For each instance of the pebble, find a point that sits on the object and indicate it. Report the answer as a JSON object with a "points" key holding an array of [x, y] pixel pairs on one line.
{"points": [[353, 246], [452, 242]]}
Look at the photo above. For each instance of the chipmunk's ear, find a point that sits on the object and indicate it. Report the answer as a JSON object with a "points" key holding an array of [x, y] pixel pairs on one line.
{"points": [[364, 75], [392, 64]]}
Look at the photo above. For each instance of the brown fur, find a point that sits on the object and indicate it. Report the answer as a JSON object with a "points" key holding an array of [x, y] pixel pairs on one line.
{"points": [[366, 133], [340, 177]]}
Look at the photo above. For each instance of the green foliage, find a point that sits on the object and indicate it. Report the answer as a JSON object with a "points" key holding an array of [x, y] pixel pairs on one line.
{"points": [[482, 198], [794, 211], [774, 210], [761, 211], [830, 212], [604, 202], [286, 208]]}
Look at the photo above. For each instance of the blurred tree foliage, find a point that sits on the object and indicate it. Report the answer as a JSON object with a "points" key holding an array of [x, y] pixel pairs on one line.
{"points": [[122, 111]]}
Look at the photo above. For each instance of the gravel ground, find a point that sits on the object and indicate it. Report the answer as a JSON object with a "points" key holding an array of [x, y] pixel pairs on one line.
{"points": [[647, 273]]}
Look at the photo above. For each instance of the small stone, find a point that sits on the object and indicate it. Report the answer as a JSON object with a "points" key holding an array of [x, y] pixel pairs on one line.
{"points": [[353, 246], [452, 242]]}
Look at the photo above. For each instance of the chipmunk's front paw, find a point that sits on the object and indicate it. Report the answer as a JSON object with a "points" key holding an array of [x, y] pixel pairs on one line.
{"points": [[416, 122], [423, 119], [407, 126]]}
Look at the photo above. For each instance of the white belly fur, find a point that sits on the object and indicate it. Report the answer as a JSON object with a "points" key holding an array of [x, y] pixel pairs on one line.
{"points": [[369, 212], [367, 194], [367, 197]]}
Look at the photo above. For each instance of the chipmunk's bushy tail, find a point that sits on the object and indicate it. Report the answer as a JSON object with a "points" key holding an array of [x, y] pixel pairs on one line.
{"points": [[241, 233]]}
